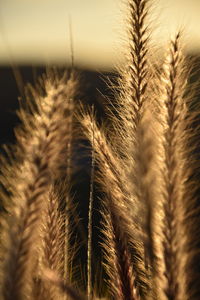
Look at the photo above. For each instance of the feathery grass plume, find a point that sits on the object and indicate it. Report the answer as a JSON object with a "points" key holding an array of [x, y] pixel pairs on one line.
{"points": [[134, 92], [114, 183], [191, 190], [118, 263], [133, 100], [52, 254], [174, 173], [42, 143], [134, 75], [52, 277]]}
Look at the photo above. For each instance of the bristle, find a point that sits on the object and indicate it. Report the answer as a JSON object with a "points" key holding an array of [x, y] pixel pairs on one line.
{"points": [[122, 283], [90, 228], [174, 173]]}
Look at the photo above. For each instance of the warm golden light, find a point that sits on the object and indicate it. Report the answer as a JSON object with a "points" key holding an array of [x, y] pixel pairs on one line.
{"points": [[37, 32]]}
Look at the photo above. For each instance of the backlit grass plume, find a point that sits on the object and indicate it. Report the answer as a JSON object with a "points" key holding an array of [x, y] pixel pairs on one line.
{"points": [[42, 144], [142, 173]]}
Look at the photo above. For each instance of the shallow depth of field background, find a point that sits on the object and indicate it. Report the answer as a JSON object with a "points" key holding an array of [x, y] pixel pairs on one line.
{"points": [[36, 33]]}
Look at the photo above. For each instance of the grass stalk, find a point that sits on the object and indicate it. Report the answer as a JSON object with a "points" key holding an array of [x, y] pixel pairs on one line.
{"points": [[90, 226]]}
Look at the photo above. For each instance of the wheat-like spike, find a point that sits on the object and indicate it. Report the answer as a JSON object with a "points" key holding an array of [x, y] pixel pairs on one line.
{"points": [[40, 145], [138, 50], [118, 264], [112, 175], [190, 286], [136, 100], [132, 102], [174, 175], [22, 234], [134, 75]]}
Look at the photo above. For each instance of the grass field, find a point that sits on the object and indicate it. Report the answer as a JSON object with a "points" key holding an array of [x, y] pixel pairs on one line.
{"points": [[142, 162]]}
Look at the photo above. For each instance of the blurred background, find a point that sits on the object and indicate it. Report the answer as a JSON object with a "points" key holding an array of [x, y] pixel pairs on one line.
{"points": [[39, 33]]}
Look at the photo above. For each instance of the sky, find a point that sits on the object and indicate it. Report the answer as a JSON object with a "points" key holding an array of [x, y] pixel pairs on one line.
{"points": [[38, 31]]}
